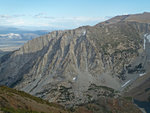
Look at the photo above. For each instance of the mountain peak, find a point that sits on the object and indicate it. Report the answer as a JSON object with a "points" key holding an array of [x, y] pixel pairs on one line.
{"points": [[141, 18]]}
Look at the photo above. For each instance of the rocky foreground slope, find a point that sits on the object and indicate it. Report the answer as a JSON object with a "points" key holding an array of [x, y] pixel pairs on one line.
{"points": [[62, 66], [13, 101]]}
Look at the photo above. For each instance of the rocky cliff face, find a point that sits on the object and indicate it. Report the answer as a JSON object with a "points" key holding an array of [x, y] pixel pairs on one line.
{"points": [[62, 66]]}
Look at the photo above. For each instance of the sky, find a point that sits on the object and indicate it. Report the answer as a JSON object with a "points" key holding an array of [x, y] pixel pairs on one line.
{"points": [[65, 14]]}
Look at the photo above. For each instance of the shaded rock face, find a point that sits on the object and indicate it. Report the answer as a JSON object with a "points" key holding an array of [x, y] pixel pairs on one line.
{"points": [[70, 61]]}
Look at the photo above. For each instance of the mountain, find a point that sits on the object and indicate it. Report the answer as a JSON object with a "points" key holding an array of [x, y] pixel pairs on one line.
{"points": [[7, 30], [11, 33], [140, 18], [74, 67]]}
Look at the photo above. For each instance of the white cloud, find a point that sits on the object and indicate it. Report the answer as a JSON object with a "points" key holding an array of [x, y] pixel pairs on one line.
{"points": [[4, 16], [45, 17], [66, 22], [40, 15], [17, 23], [10, 21], [42, 19]]}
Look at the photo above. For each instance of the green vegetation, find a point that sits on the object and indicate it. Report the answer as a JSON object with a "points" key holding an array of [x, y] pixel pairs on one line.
{"points": [[102, 91], [14, 101], [128, 98], [10, 91], [12, 110], [89, 97], [107, 88], [94, 86], [5, 89], [66, 95]]}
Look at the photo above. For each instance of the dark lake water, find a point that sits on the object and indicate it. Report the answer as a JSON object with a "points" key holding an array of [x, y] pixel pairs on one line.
{"points": [[143, 104]]}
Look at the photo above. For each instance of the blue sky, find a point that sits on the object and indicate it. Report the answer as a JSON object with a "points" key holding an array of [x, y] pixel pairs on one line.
{"points": [[65, 13]]}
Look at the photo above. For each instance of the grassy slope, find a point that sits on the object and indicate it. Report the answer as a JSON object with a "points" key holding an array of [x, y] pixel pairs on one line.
{"points": [[14, 101]]}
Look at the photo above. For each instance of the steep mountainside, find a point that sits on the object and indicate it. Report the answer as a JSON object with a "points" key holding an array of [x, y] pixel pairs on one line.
{"points": [[140, 91], [62, 66], [142, 83], [3, 53]]}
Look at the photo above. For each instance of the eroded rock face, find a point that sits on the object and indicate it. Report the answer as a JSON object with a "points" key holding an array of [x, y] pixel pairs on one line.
{"points": [[75, 59]]}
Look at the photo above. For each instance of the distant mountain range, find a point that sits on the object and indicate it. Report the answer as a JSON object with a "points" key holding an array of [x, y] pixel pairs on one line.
{"points": [[12, 38], [7, 30]]}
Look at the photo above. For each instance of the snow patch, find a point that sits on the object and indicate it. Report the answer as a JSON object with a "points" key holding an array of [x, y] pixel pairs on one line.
{"points": [[142, 74], [74, 78], [10, 36], [125, 83], [145, 35], [144, 43], [148, 37], [84, 32]]}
